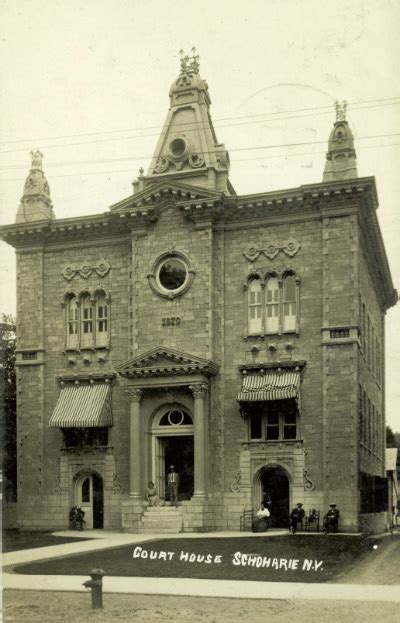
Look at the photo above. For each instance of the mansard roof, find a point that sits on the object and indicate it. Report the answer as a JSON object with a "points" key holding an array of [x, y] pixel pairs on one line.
{"points": [[162, 361]]}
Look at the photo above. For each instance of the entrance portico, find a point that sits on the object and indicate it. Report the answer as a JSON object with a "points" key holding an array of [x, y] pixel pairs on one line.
{"points": [[164, 381]]}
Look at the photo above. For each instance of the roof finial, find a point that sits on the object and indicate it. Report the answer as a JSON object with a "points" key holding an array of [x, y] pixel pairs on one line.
{"points": [[341, 110], [189, 64], [36, 157]]}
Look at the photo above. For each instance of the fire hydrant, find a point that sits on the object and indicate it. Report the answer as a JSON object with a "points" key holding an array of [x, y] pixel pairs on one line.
{"points": [[96, 584]]}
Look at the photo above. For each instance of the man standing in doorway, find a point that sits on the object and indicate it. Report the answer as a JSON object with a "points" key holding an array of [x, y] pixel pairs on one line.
{"points": [[173, 482]]}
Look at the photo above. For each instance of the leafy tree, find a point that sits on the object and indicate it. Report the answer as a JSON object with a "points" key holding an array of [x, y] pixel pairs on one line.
{"points": [[390, 438], [8, 407]]}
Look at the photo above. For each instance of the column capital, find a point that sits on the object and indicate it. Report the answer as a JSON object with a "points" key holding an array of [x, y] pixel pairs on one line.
{"points": [[198, 390], [135, 394]]}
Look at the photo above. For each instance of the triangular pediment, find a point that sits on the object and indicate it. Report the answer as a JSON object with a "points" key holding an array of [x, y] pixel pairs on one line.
{"points": [[163, 191], [162, 361]]}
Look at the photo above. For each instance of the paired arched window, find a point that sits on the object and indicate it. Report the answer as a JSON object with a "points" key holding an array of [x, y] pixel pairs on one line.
{"points": [[87, 320], [273, 304]]}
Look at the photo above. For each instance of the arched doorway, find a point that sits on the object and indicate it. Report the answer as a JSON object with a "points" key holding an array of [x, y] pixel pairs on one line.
{"points": [[275, 493], [90, 497], [173, 444]]}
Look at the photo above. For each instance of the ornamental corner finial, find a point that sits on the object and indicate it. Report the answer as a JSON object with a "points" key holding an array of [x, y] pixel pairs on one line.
{"points": [[189, 64], [36, 157], [341, 110]]}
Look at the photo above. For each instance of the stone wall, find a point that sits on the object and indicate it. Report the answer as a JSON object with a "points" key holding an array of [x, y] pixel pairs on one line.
{"points": [[339, 417], [306, 345], [372, 433], [212, 323], [373, 523]]}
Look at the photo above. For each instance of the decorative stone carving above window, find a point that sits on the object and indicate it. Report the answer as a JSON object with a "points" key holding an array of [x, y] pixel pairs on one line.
{"points": [[289, 247], [86, 269]]}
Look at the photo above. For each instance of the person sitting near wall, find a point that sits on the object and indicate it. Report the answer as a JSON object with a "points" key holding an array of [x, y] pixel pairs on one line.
{"points": [[331, 519], [296, 517], [152, 496], [261, 521]]}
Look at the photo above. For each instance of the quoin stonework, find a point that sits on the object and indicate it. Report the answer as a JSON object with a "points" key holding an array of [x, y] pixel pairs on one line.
{"points": [[238, 338]]}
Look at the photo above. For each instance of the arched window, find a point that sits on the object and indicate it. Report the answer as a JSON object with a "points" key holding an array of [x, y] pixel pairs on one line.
{"points": [[272, 306], [102, 319], [72, 322], [255, 307], [86, 322], [289, 303], [176, 417]]}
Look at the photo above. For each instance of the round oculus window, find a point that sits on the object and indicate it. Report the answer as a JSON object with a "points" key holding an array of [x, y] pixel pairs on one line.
{"points": [[172, 274], [178, 147]]}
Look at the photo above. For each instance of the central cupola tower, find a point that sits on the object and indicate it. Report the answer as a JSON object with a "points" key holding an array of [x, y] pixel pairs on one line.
{"points": [[188, 149]]}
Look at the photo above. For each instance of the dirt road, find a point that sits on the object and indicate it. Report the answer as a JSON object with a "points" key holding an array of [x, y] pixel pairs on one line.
{"points": [[46, 607], [382, 566]]}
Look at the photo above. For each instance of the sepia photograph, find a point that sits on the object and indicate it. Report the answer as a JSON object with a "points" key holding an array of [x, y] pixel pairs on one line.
{"points": [[199, 318]]}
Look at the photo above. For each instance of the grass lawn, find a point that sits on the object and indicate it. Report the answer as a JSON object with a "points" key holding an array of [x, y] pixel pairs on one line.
{"points": [[280, 558], [14, 540]]}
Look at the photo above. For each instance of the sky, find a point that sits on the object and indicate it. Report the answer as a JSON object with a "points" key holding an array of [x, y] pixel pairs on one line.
{"points": [[87, 83]]}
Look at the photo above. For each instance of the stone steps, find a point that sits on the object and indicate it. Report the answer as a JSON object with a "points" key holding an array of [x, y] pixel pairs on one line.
{"points": [[161, 519]]}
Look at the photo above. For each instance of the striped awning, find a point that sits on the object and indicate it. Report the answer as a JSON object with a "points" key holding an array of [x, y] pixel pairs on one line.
{"points": [[83, 406], [270, 385]]}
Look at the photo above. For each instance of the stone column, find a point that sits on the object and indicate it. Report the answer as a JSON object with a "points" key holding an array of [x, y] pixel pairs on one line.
{"points": [[199, 393], [135, 440]]}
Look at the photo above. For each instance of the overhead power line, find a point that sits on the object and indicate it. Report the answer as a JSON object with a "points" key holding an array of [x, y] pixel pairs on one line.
{"points": [[188, 129], [260, 158], [231, 150], [360, 105]]}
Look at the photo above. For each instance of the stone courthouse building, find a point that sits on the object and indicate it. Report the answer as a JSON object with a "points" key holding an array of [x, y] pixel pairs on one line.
{"points": [[239, 338]]}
